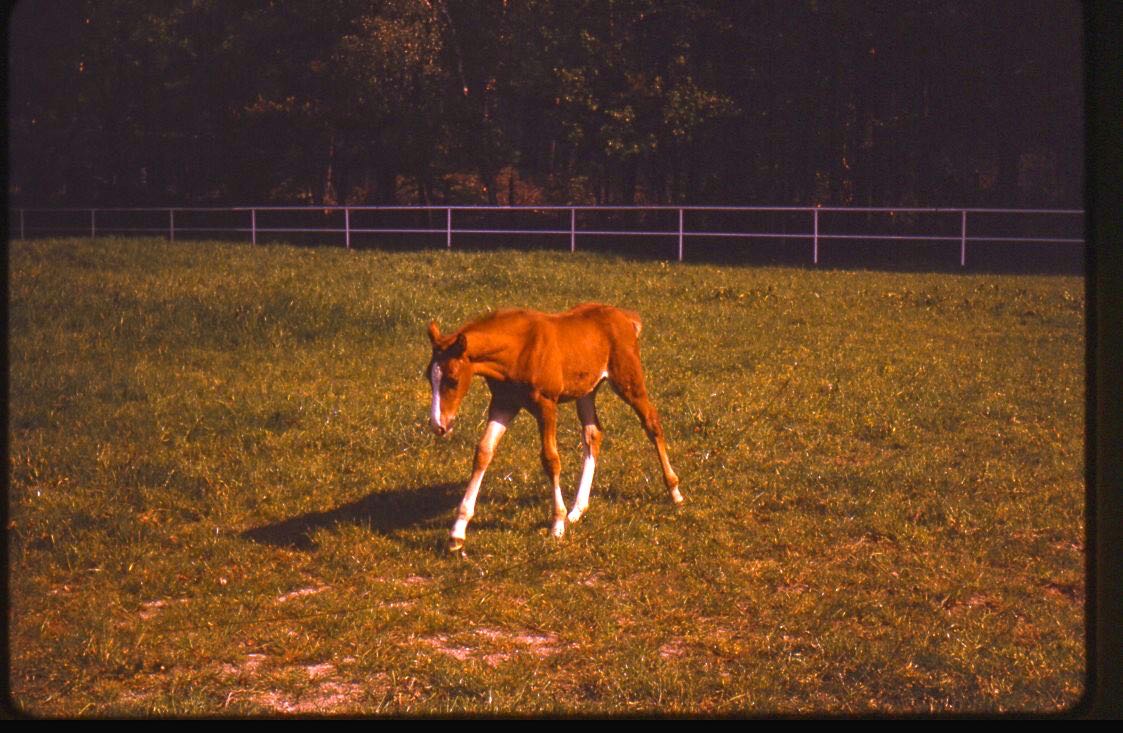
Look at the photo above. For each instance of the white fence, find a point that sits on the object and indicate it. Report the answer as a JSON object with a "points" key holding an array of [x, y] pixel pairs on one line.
{"points": [[812, 225]]}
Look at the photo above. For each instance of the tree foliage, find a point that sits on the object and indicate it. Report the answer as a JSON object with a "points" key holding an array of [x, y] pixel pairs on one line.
{"points": [[516, 101]]}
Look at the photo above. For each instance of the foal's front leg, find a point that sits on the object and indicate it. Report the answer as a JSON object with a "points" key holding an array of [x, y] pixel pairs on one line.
{"points": [[546, 411], [498, 418]]}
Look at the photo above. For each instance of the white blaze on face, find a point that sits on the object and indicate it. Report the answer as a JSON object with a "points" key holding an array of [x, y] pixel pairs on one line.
{"points": [[435, 414]]}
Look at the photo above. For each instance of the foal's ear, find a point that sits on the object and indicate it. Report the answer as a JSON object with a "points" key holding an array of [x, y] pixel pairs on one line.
{"points": [[434, 333], [460, 346]]}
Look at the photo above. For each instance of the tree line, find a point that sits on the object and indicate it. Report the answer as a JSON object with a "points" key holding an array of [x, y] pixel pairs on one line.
{"points": [[785, 102]]}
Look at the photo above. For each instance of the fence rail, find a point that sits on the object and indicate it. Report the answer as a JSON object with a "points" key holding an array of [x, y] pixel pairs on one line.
{"points": [[818, 227]]}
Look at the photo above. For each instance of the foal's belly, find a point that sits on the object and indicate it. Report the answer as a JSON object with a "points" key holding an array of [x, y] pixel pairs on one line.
{"points": [[581, 383]]}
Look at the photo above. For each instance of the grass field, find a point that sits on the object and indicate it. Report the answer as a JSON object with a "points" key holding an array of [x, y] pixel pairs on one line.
{"points": [[225, 499]]}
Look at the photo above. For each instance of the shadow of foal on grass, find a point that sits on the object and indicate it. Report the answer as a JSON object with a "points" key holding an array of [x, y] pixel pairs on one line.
{"points": [[384, 511]]}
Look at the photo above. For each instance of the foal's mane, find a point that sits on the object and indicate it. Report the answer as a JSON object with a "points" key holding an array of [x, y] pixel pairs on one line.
{"points": [[487, 317]]}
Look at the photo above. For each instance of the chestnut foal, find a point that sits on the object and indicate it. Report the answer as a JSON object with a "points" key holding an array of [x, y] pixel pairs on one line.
{"points": [[534, 361]]}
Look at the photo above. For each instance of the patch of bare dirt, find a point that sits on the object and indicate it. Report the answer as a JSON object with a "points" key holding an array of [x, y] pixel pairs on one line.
{"points": [[300, 592], [316, 671], [259, 684], [440, 644], [329, 697], [247, 665], [151, 608], [495, 646], [591, 580], [672, 649]]}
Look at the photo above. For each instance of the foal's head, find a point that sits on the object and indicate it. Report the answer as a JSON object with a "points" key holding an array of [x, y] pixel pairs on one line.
{"points": [[450, 374]]}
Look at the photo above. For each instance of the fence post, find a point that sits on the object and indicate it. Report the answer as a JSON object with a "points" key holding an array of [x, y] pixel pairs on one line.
{"points": [[963, 239], [93, 224], [573, 230], [448, 227], [253, 226], [347, 225], [815, 245], [171, 225], [680, 235]]}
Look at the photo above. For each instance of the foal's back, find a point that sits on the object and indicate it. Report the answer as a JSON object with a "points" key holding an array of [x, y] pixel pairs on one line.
{"points": [[589, 323], [567, 353], [583, 323]]}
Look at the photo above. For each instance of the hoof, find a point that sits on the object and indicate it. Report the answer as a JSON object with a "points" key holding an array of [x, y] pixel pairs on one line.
{"points": [[455, 544], [575, 515], [557, 531], [676, 496]]}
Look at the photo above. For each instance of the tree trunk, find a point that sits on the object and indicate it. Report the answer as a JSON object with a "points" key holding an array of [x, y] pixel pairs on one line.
{"points": [[328, 197], [387, 182], [628, 181]]}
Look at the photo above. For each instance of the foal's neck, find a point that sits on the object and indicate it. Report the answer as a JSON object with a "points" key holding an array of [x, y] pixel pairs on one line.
{"points": [[491, 354]]}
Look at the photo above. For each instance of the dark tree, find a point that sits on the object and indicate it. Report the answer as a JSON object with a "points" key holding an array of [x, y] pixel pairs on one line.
{"points": [[940, 103]]}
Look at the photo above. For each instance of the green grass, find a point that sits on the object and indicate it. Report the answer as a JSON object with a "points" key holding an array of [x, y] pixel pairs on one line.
{"points": [[224, 497]]}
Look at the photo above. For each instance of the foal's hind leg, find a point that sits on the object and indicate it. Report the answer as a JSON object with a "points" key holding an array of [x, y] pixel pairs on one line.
{"points": [[627, 381], [591, 436]]}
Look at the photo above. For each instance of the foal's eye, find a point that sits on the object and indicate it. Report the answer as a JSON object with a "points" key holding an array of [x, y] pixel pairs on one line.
{"points": [[451, 382]]}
